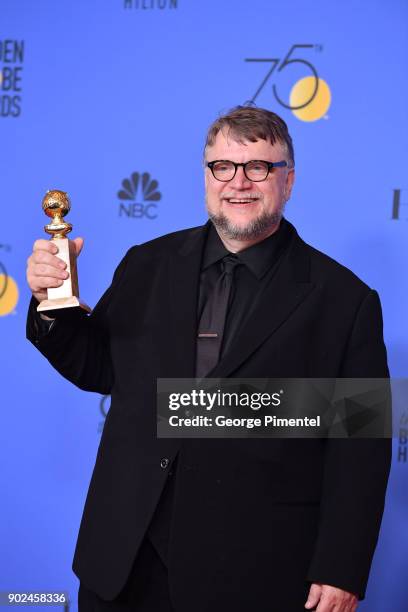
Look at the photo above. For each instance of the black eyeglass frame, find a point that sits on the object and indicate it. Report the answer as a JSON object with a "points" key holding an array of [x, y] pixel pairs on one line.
{"points": [[280, 164]]}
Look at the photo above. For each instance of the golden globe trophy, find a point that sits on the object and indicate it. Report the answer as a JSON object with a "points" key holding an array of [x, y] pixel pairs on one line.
{"points": [[56, 204]]}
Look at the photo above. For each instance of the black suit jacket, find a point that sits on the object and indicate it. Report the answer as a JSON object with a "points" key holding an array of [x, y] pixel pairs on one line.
{"points": [[254, 521]]}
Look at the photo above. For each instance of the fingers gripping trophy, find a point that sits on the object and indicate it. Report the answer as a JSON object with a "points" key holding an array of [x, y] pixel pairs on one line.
{"points": [[56, 204]]}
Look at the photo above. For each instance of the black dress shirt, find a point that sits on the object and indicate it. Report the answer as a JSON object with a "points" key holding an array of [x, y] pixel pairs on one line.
{"points": [[259, 264]]}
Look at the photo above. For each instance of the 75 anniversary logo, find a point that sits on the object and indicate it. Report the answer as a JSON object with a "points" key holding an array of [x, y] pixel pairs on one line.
{"points": [[310, 96]]}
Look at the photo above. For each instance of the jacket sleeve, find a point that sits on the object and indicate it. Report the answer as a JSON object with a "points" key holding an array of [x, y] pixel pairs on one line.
{"points": [[77, 344], [356, 472]]}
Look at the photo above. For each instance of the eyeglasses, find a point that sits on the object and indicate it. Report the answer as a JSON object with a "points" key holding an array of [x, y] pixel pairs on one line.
{"points": [[255, 170]]}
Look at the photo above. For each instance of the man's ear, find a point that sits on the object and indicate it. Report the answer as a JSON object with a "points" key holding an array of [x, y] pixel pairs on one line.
{"points": [[290, 179]]}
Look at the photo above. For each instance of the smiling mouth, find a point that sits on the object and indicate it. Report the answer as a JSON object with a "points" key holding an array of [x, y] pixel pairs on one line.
{"points": [[241, 200]]}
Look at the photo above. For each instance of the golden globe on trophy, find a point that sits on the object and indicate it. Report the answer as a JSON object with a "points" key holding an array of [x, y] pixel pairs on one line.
{"points": [[56, 204]]}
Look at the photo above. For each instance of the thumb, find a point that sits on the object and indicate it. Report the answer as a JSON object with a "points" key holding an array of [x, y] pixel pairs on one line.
{"points": [[314, 596], [79, 243]]}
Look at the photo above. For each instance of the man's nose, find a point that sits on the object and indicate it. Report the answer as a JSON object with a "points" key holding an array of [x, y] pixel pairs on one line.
{"points": [[240, 181]]}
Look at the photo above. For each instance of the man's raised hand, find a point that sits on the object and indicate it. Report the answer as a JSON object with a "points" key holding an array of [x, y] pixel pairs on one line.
{"points": [[45, 269]]}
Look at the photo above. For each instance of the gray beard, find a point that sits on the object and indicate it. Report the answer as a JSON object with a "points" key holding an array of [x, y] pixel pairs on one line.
{"points": [[255, 229]]}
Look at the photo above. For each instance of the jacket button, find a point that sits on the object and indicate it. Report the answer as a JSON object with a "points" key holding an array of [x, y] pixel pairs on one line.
{"points": [[164, 463]]}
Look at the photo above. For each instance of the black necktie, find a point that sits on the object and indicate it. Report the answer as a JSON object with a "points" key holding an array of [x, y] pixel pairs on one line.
{"points": [[212, 322]]}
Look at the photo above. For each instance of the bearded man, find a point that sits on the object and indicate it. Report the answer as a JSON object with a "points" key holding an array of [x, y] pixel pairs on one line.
{"points": [[222, 524]]}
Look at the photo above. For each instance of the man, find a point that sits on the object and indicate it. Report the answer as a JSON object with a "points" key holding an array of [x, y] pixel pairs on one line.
{"points": [[223, 524]]}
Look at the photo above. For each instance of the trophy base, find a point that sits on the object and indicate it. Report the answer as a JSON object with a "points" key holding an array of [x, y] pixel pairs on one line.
{"points": [[61, 303]]}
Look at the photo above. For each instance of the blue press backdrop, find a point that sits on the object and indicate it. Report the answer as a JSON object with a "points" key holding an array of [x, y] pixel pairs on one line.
{"points": [[91, 92]]}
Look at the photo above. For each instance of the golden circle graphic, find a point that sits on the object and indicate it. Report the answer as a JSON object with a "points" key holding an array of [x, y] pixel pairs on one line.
{"points": [[303, 91], [9, 299]]}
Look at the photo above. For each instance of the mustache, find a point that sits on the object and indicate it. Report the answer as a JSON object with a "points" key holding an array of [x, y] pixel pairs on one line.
{"points": [[231, 195]]}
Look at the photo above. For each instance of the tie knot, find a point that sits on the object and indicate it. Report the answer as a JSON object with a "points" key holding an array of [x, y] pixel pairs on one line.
{"points": [[229, 262]]}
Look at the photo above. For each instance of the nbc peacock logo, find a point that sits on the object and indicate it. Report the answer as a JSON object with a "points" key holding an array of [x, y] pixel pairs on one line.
{"points": [[138, 196], [8, 288]]}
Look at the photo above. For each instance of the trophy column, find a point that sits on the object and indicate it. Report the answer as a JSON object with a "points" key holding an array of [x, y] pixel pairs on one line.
{"points": [[56, 204]]}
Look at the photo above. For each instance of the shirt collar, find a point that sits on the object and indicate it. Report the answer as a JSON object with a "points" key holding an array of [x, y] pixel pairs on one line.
{"points": [[258, 258]]}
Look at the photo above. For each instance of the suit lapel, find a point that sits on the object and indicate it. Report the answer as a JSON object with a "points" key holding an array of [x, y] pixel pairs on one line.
{"points": [[184, 279], [284, 294]]}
